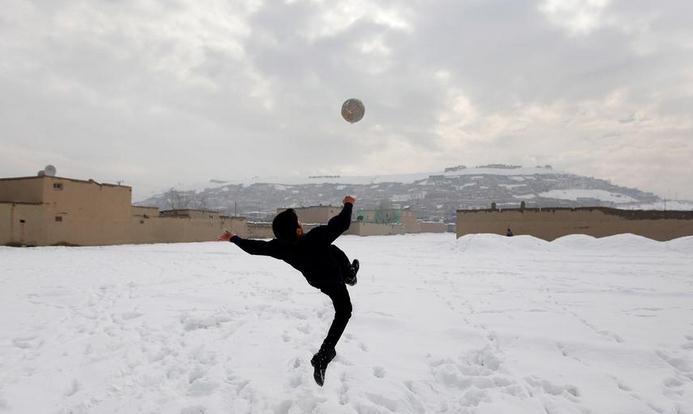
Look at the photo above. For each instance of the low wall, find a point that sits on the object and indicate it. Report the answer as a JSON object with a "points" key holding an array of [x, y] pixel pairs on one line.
{"points": [[184, 229], [142, 211], [260, 230], [432, 227], [315, 214], [549, 224], [360, 228]]}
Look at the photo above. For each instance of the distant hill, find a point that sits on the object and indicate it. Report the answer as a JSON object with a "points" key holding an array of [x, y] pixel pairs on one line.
{"points": [[433, 196]]}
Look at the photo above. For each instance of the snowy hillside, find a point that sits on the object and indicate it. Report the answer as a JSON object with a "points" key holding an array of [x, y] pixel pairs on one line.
{"points": [[481, 324], [432, 196], [389, 178]]}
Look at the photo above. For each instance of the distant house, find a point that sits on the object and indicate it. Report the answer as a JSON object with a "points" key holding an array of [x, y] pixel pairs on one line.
{"points": [[404, 220], [315, 214], [46, 210]]}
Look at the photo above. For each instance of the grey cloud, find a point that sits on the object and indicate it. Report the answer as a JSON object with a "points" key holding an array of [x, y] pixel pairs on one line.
{"points": [[144, 92]]}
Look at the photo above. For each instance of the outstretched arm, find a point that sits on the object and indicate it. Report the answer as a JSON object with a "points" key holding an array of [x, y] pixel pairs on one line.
{"points": [[340, 223], [336, 226], [254, 247]]}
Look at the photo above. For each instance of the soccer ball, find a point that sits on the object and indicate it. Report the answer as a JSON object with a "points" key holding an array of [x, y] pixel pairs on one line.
{"points": [[353, 110]]}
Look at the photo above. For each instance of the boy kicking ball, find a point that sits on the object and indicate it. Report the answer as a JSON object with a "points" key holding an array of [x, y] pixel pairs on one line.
{"points": [[324, 266]]}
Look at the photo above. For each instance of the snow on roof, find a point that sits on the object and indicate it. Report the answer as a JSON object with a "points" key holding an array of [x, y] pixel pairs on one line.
{"points": [[575, 194]]}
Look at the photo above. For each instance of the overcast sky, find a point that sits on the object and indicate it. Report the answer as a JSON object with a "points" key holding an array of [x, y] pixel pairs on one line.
{"points": [[162, 93]]}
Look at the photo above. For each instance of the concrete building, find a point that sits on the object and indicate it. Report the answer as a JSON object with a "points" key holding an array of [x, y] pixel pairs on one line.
{"points": [[432, 227], [362, 228], [401, 221], [551, 223], [44, 210], [315, 214], [404, 218]]}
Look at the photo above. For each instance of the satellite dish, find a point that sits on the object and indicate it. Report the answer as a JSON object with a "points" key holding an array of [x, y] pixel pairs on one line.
{"points": [[50, 170], [40, 173]]}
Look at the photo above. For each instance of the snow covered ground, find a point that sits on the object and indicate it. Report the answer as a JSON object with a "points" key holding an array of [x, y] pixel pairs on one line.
{"points": [[483, 324]]}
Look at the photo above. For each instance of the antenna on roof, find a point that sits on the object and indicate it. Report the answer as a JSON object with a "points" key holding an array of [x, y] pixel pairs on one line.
{"points": [[50, 170]]}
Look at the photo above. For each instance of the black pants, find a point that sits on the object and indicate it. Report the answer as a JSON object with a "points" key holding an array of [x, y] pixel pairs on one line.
{"points": [[340, 298], [342, 312], [339, 258]]}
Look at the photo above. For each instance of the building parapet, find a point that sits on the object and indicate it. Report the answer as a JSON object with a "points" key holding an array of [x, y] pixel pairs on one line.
{"points": [[551, 223], [34, 203], [74, 180], [626, 214]]}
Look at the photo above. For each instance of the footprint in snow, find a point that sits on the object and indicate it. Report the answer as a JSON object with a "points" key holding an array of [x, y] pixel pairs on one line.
{"points": [[379, 372], [680, 365], [200, 385], [283, 407], [343, 389], [380, 400], [73, 389], [194, 409], [568, 391], [477, 375], [623, 387], [296, 380], [126, 316], [672, 383], [27, 342], [689, 342]]}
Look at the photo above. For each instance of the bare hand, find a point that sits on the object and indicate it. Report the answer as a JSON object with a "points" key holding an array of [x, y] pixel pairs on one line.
{"points": [[349, 199], [226, 236]]}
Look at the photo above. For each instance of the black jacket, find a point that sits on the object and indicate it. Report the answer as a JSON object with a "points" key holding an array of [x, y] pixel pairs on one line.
{"points": [[310, 254]]}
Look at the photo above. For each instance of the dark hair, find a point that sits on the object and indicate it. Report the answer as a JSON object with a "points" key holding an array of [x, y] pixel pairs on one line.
{"points": [[285, 224]]}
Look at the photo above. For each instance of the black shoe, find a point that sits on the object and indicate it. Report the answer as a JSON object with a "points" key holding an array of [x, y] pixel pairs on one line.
{"points": [[351, 279], [320, 362]]}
